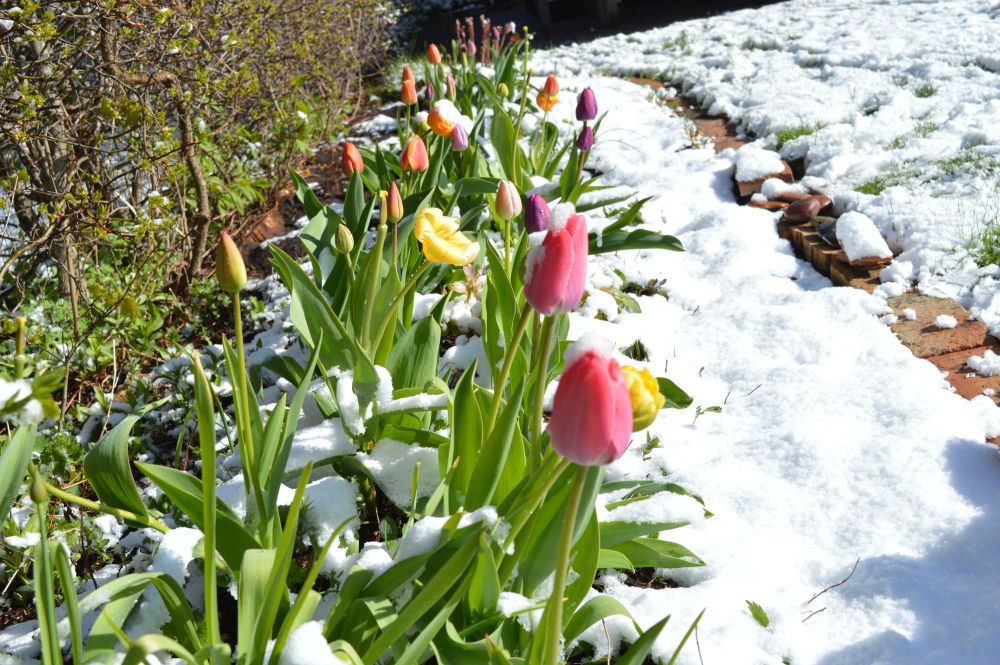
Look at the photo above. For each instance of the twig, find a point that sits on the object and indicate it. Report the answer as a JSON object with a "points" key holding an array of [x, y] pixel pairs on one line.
{"points": [[834, 586], [812, 614], [697, 643], [754, 390]]}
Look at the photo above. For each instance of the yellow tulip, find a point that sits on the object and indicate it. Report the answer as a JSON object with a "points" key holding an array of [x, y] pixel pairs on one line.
{"points": [[644, 392], [441, 240]]}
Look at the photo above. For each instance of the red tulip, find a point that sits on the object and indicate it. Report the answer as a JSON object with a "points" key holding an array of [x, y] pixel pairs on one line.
{"points": [[414, 157], [556, 270], [408, 94], [408, 74], [351, 161], [592, 411], [394, 203]]}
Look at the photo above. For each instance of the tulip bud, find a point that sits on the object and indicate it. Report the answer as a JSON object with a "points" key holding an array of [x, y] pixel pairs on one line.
{"points": [[344, 241], [38, 491], [433, 54], [230, 271], [429, 93], [591, 412], [548, 97], [408, 74], [443, 117], [586, 105], [394, 203], [644, 393], [536, 214], [503, 90], [451, 87], [471, 48], [459, 139], [351, 161], [508, 202], [556, 271], [408, 93], [551, 87], [414, 157], [585, 141]]}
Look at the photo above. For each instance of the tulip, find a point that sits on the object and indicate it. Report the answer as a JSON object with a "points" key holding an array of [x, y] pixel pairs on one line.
{"points": [[344, 240], [230, 271], [536, 214], [585, 141], [414, 157], [471, 48], [503, 90], [351, 161], [394, 203], [548, 97], [443, 118], [644, 392], [459, 139], [408, 94], [429, 93], [433, 54], [441, 240], [508, 202], [408, 74], [451, 87], [556, 270], [591, 412], [586, 105]]}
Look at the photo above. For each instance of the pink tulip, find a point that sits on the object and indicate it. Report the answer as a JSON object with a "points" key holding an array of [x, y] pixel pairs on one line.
{"points": [[508, 203], [556, 270], [591, 412]]}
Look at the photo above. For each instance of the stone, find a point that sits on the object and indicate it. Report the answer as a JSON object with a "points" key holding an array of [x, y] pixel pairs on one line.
{"points": [[768, 205], [803, 210], [925, 339]]}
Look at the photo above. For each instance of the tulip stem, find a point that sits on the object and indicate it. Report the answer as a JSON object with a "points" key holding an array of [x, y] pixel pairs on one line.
{"points": [[535, 425], [242, 406], [390, 314], [148, 521], [555, 609], [510, 353], [374, 269]]}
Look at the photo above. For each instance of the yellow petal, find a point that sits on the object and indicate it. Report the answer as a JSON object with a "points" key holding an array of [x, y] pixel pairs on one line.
{"points": [[644, 393]]}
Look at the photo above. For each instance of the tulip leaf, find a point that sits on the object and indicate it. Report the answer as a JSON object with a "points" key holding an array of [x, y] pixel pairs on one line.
{"points": [[109, 472], [413, 360], [637, 653], [491, 460], [357, 579], [676, 398], [628, 217], [14, 465], [306, 196], [655, 553], [614, 533], [466, 433], [586, 552], [614, 559], [450, 649], [617, 241], [185, 492], [484, 592], [467, 186], [504, 142], [596, 609]]}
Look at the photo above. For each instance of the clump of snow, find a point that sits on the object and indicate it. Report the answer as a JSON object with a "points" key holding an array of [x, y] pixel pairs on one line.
{"points": [[307, 646], [859, 238], [588, 342], [391, 463], [12, 392], [331, 503], [772, 188], [910, 314], [987, 364], [559, 215], [753, 162], [945, 321]]}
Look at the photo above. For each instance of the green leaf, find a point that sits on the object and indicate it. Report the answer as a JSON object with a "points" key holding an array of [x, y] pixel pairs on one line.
{"points": [[637, 653], [687, 636], [72, 603], [467, 186], [149, 644], [614, 559], [14, 466], [108, 470], [615, 533], [413, 360], [466, 433], [491, 460], [758, 613], [504, 142], [655, 553], [185, 493], [484, 592], [676, 398], [617, 241], [594, 610]]}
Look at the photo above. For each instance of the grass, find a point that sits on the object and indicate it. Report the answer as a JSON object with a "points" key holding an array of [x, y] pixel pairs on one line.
{"points": [[792, 133], [967, 162], [925, 129], [924, 91], [878, 184]]}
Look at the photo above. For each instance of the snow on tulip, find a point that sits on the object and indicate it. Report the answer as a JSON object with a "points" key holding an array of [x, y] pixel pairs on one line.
{"points": [[556, 270]]}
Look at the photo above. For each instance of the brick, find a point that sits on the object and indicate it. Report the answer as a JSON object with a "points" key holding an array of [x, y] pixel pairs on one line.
{"points": [[750, 187], [966, 382], [843, 273], [925, 339], [768, 205]]}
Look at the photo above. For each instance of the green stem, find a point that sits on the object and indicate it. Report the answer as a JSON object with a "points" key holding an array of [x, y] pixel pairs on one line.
{"points": [[19, 349], [510, 353], [374, 268], [44, 587], [554, 612], [506, 245], [390, 317], [146, 520], [245, 430], [535, 424], [208, 517]]}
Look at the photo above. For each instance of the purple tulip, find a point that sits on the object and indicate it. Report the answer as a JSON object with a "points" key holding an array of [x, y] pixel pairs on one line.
{"points": [[586, 105], [585, 141], [429, 94], [459, 139], [536, 214], [471, 48]]}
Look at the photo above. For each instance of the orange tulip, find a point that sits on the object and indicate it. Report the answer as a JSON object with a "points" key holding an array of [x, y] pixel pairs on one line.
{"points": [[433, 54], [351, 161], [408, 95], [548, 97], [394, 203], [414, 157], [408, 74]]}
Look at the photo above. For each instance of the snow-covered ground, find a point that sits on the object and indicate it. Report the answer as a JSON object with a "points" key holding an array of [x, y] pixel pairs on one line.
{"points": [[834, 444], [895, 103]]}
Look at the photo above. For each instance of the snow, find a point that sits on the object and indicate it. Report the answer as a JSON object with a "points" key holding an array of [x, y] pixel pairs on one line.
{"points": [[910, 314], [307, 646], [590, 342], [859, 238], [834, 442], [391, 463], [945, 321], [559, 215], [987, 364], [754, 162]]}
